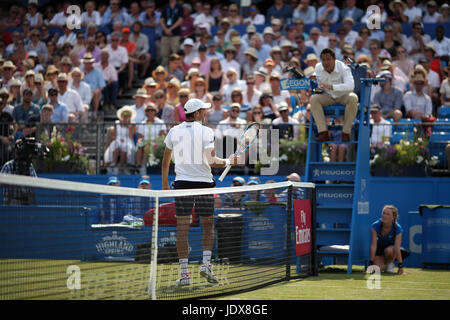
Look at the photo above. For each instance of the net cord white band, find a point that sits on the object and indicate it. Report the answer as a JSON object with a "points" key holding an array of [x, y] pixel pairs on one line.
{"points": [[55, 184]]}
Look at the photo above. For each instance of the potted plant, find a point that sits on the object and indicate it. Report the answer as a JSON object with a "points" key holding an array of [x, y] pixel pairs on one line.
{"points": [[292, 155], [407, 158], [153, 154], [66, 155]]}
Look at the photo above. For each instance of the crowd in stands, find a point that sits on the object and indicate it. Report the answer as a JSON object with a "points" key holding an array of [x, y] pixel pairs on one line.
{"points": [[79, 74]]}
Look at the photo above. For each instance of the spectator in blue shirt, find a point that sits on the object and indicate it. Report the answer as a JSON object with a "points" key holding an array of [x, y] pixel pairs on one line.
{"points": [[26, 115], [304, 49], [281, 11], [328, 12], [94, 78], [351, 11], [114, 13], [60, 112]]}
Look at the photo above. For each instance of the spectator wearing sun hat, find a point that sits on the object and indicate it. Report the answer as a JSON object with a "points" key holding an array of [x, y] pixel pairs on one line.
{"points": [[77, 84], [121, 151], [444, 10], [417, 103], [431, 13], [8, 69], [69, 97], [140, 96], [94, 78]]}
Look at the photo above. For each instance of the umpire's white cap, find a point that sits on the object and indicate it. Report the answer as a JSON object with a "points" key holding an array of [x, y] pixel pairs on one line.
{"points": [[195, 104]]}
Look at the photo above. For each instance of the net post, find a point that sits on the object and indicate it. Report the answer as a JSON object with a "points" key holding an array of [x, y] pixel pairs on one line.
{"points": [[314, 266], [289, 233], [154, 252]]}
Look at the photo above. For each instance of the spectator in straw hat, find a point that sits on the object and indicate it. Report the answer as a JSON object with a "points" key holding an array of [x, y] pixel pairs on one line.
{"points": [[148, 130], [444, 10], [434, 61], [139, 106], [121, 151], [160, 74], [230, 59], [232, 82], [150, 87], [69, 97], [200, 90], [252, 64], [15, 96], [94, 78], [431, 13], [417, 103], [172, 91], [81, 87], [311, 60], [8, 69], [397, 8], [111, 79]]}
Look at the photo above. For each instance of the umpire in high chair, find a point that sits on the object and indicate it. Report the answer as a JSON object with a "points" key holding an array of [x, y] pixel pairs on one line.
{"points": [[336, 80], [191, 146]]}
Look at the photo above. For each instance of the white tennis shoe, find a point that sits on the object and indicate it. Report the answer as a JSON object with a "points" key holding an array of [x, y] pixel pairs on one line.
{"points": [[185, 280], [206, 272], [390, 268]]}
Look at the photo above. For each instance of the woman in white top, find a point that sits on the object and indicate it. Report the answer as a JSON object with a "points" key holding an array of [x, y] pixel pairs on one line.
{"points": [[232, 82], [230, 60], [148, 131], [200, 91], [122, 148], [33, 16], [90, 15], [83, 89]]}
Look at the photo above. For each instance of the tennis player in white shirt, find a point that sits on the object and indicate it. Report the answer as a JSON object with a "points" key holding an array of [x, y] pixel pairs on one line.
{"points": [[336, 79], [192, 146]]}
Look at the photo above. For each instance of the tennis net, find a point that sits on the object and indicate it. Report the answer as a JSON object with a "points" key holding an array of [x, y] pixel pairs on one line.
{"points": [[72, 240]]}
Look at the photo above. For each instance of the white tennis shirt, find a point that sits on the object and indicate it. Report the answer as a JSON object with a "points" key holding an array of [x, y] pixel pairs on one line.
{"points": [[188, 141]]}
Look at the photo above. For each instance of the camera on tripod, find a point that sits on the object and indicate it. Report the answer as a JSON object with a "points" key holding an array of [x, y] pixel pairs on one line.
{"points": [[27, 149]]}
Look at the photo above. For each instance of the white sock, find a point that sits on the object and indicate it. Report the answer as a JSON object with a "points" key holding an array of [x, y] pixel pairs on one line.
{"points": [[184, 267], [207, 257]]}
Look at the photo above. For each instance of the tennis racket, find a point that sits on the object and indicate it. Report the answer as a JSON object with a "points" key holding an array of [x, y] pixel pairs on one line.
{"points": [[245, 141]]}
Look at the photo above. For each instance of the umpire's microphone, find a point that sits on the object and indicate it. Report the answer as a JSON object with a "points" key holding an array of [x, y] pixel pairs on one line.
{"points": [[295, 72], [352, 62]]}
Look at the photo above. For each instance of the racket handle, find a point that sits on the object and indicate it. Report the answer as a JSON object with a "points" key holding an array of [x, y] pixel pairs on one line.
{"points": [[224, 173]]}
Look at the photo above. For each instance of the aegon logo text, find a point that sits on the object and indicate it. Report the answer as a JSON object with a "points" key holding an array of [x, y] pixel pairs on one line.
{"points": [[295, 84]]}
